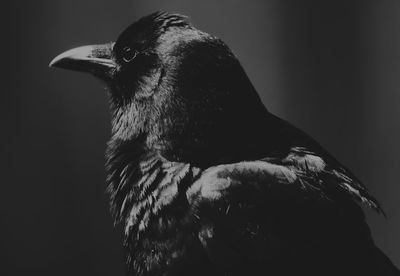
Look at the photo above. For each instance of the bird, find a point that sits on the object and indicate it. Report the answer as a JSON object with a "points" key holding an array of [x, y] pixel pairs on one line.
{"points": [[204, 179]]}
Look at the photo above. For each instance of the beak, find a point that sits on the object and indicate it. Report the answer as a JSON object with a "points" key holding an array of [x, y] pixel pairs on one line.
{"points": [[95, 59]]}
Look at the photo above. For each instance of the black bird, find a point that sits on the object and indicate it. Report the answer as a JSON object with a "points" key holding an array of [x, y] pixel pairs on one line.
{"points": [[204, 179]]}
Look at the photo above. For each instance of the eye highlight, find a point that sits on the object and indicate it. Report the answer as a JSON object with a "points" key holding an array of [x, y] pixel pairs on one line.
{"points": [[128, 54]]}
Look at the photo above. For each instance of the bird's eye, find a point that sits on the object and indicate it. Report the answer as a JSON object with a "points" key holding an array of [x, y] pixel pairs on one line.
{"points": [[128, 54]]}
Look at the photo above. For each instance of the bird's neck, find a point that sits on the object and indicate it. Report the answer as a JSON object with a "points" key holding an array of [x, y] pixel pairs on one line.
{"points": [[137, 177], [127, 163], [244, 138]]}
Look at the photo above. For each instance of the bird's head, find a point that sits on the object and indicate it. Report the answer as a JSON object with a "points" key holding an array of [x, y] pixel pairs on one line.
{"points": [[178, 87]]}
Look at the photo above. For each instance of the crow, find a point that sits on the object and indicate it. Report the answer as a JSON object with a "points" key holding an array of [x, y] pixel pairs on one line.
{"points": [[204, 179]]}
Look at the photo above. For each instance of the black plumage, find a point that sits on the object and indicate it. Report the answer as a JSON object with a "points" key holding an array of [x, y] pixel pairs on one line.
{"points": [[204, 179]]}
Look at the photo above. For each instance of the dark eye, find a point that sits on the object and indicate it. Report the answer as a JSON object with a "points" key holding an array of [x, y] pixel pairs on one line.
{"points": [[128, 54]]}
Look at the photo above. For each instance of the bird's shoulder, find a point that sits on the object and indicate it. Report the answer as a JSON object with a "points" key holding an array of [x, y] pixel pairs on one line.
{"points": [[301, 170]]}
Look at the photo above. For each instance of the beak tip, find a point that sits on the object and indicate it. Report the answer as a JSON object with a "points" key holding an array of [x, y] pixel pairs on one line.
{"points": [[51, 64], [55, 62]]}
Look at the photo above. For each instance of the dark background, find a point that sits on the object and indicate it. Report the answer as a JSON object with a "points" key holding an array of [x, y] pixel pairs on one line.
{"points": [[330, 67]]}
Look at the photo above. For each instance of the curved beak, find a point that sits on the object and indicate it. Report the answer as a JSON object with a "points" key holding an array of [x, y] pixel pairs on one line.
{"points": [[95, 59]]}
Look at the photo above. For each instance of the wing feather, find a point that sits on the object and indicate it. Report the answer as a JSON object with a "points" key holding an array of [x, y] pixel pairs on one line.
{"points": [[294, 209]]}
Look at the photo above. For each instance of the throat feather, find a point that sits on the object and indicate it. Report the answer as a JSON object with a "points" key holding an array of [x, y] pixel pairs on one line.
{"points": [[141, 185]]}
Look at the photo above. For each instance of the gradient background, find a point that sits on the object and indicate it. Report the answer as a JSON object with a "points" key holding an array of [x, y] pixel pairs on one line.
{"points": [[330, 67]]}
